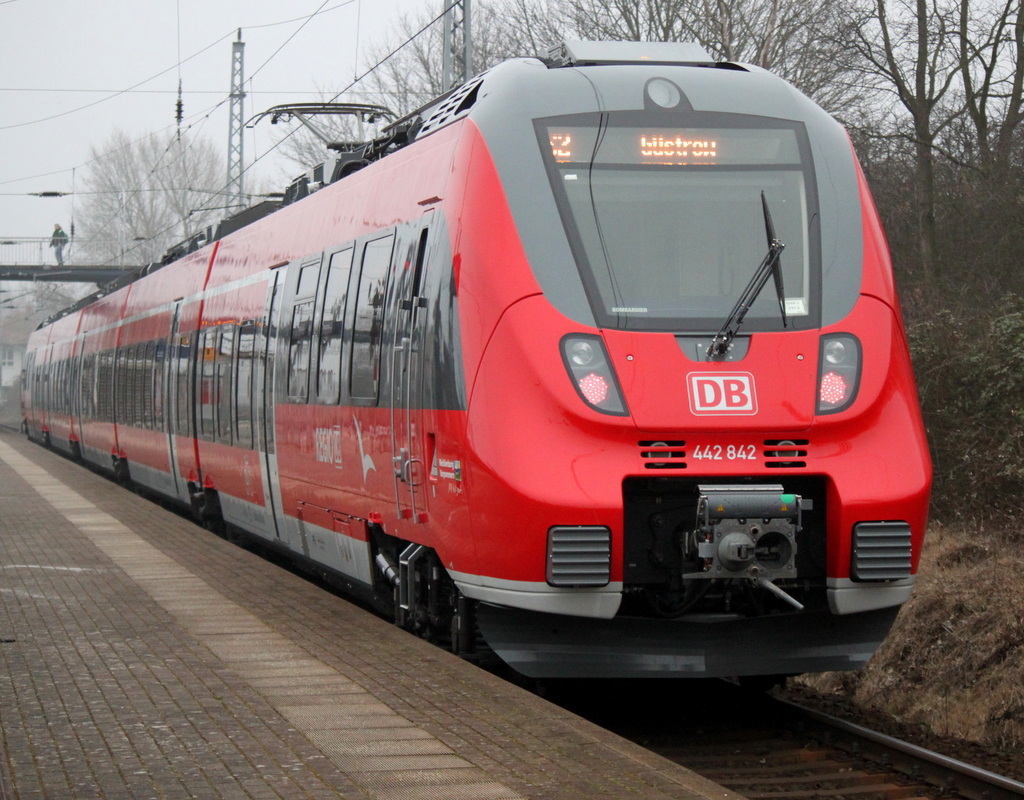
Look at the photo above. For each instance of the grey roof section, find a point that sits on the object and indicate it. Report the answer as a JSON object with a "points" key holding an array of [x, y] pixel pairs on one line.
{"points": [[516, 92], [578, 53]]}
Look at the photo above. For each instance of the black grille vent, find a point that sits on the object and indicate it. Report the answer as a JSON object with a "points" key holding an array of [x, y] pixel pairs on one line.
{"points": [[579, 556], [881, 551], [663, 454], [785, 453], [453, 107]]}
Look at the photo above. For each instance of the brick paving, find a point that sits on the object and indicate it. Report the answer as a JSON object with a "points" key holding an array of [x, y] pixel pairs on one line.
{"points": [[143, 657]]}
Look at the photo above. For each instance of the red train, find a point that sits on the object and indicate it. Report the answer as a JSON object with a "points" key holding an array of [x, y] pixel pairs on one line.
{"points": [[501, 374]]}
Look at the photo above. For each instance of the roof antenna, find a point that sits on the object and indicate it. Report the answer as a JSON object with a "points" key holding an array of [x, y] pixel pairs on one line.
{"points": [[179, 110], [179, 107]]}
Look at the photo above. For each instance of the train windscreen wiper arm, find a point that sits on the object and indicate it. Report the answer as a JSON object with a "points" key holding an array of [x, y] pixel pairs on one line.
{"points": [[770, 266]]}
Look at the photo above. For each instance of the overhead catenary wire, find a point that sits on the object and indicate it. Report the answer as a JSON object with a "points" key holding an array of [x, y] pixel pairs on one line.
{"points": [[116, 93], [338, 94]]}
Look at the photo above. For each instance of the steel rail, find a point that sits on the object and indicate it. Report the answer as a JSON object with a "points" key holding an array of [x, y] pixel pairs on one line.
{"points": [[946, 772]]}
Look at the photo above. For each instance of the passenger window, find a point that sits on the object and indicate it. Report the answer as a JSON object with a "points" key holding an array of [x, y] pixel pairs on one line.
{"points": [[105, 384], [332, 320], [146, 353], [207, 387], [123, 377], [369, 321], [243, 385], [298, 351], [182, 351], [159, 361], [309, 277], [225, 356]]}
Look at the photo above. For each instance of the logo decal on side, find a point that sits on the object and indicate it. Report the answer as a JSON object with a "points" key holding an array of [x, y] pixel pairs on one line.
{"points": [[365, 460], [722, 393]]}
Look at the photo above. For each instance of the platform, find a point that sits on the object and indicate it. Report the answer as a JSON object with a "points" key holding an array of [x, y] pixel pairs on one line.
{"points": [[143, 657]]}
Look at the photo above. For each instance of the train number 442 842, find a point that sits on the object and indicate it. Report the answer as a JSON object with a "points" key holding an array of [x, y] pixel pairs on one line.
{"points": [[727, 452]]}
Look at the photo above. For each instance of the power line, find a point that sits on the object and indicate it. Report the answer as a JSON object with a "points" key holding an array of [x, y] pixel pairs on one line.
{"points": [[116, 94], [358, 78], [294, 34], [376, 66], [176, 66], [201, 116]]}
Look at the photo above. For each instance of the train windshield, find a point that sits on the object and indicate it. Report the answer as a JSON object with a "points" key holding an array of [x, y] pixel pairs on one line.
{"points": [[664, 214]]}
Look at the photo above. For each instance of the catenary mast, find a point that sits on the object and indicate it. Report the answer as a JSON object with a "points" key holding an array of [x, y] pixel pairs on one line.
{"points": [[457, 47], [235, 193]]}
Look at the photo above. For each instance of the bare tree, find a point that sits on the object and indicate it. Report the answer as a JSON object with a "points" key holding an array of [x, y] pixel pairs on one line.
{"points": [[911, 46], [991, 45], [144, 195]]}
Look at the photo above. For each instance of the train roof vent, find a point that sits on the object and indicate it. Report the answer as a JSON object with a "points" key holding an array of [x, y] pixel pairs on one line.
{"points": [[582, 54], [455, 105]]}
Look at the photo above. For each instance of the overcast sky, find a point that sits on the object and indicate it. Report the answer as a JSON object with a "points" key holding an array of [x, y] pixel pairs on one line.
{"points": [[57, 56]]}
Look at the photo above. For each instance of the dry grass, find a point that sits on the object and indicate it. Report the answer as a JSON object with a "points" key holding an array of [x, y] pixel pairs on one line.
{"points": [[954, 661]]}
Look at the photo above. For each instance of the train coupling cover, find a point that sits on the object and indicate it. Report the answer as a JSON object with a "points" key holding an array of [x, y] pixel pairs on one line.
{"points": [[747, 532]]}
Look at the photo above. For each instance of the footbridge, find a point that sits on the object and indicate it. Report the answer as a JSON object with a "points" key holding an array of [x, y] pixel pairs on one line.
{"points": [[32, 259]]}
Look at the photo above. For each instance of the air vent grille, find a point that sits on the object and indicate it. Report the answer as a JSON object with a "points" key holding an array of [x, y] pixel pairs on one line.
{"points": [[785, 453], [453, 106], [579, 556], [881, 551], [663, 454]]}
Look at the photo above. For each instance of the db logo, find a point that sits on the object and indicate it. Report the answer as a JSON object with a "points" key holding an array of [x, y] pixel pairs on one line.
{"points": [[716, 393]]}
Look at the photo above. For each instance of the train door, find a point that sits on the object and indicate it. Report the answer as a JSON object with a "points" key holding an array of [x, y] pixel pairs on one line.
{"points": [[407, 445], [265, 364]]}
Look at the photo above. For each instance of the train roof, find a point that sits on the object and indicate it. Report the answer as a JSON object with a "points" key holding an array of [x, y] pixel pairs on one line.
{"points": [[595, 58]]}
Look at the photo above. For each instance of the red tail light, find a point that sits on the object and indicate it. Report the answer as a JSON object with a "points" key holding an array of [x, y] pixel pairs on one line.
{"points": [[594, 389], [838, 372], [592, 375], [833, 389]]}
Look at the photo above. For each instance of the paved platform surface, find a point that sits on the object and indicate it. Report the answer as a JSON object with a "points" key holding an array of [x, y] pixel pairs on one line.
{"points": [[143, 657]]}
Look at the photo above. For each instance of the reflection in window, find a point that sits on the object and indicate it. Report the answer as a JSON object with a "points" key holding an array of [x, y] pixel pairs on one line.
{"points": [[243, 386], [298, 350], [369, 320], [207, 386], [331, 325], [224, 365], [181, 352]]}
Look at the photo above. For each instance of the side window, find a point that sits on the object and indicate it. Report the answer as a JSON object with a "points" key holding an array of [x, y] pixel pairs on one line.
{"points": [[243, 385], [146, 369], [139, 382], [225, 359], [300, 337], [105, 386], [159, 361], [369, 321], [123, 378], [332, 321], [182, 353], [272, 336], [207, 383], [86, 387]]}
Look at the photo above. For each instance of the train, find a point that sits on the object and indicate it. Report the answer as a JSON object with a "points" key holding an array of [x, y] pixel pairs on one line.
{"points": [[595, 363]]}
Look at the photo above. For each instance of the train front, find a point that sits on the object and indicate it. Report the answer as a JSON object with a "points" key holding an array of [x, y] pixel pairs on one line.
{"points": [[694, 447]]}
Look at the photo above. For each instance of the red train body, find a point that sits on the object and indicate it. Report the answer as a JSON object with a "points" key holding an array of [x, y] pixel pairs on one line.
{"points": [[472, 381]]}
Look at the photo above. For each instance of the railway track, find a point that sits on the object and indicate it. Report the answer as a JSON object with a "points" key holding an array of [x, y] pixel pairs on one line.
{"points": [[768, 749]]}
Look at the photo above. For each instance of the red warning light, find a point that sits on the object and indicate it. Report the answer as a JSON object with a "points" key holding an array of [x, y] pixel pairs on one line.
{"points": [[594, 388], [833, 388]]}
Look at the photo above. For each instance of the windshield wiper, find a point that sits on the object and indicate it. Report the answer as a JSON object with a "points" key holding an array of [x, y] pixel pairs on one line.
{"points": [[770, 266]]}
